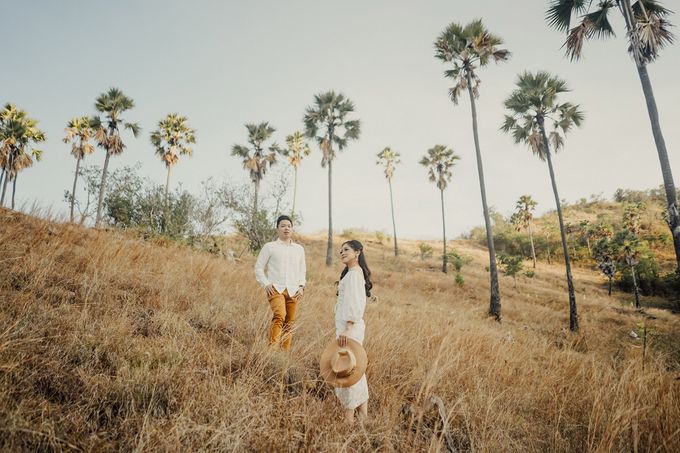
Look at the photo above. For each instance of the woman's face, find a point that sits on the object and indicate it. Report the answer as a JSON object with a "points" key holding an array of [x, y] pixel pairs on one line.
{"points": [[348, 255]]}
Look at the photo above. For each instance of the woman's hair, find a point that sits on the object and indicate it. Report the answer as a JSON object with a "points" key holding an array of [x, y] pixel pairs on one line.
{"points": [[358, 247]]}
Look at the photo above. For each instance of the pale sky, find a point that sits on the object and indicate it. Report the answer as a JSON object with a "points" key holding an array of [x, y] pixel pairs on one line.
{"points": [[226, 63]]}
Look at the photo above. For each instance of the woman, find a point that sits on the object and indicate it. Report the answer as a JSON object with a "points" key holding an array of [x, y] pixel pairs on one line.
{"points": [[355, 285]]}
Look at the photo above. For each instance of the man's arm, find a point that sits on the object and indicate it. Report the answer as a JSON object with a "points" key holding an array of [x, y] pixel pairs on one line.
{"points": [[262, 259], [303, 269], [301, 274]]}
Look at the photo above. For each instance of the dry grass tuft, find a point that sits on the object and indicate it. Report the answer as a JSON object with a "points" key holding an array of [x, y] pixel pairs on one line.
{"points": [[110, 343]]}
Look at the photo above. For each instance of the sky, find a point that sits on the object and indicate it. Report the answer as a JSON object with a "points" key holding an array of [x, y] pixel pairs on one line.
{"points": [[226, 63]]}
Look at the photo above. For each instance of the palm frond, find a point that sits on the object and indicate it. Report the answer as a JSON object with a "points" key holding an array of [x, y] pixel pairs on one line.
{"points": [[560, 12], [240, 151], [134, 127]]}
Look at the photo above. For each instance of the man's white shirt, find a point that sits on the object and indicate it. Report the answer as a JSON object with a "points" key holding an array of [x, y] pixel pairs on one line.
{"points": [[286, 267]]}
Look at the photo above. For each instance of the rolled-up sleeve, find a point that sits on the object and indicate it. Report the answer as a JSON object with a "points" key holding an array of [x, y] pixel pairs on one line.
{"points": [[261, 262], [355, 297]]}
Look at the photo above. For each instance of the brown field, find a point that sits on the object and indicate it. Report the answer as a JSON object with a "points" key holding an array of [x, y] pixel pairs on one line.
{"points": [[111, 343]]}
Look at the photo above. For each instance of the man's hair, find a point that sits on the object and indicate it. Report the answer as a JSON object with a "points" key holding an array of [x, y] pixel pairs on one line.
{"points": [[282, 218]]}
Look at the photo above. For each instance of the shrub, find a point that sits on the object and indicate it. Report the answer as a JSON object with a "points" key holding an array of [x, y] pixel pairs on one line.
{"points": [[425, 250]]}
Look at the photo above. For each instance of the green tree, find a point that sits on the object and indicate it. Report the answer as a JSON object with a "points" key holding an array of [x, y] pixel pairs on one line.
{"points": [[629, 250], [534, 101], [18, 135], [524, 214], [648, 32], [112, 105], [327, 121], [512, 265], [439, 161], [608, 268], [257, 160], [296, 149], [425, 250], [468, 48], [458, 261], [390, 158], [172, 139], [79, 132]]}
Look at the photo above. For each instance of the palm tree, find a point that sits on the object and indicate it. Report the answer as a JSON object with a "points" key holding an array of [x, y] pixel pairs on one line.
{"points": [[469, 48], [256, 159], [522, 219], [439, 160], [648, 32], [530, 104], [171, 140], [18, 134], [389, 158], [297, 149], [112, 105], [327, 121], [79, 131]]}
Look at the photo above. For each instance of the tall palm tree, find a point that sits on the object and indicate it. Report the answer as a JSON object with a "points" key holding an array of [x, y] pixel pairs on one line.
{"points": [[18, 134], [467, 49], [297, 149], [532, 103], [112, 105], [171, 140], [390, 158], [79, 131], [256, 159], [439, 160], [327, 121], [648, 32], [522, 218]]}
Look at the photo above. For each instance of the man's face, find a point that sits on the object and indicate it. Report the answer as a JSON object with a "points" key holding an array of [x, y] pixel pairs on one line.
{"points": [[285, 230]]}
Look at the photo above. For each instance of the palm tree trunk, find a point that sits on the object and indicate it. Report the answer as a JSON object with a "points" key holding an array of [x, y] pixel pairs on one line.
{"points": [[668, 183], [394, 225], [573, 316], [635, 286], [495, 302], [653, 112], [166, 212], [294, 193], [4, 189], [444, 258], [167, 186], [533, 250], [257, 191], [8, 175], [73, 193], [14, 188], [329, 247], [102, 189]]}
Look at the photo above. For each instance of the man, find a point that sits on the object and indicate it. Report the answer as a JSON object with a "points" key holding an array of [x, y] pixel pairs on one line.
{"points": [[284, 280]]}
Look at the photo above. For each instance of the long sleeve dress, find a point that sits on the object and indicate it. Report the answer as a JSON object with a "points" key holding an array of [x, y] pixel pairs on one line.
{"points": [[350, 306]]}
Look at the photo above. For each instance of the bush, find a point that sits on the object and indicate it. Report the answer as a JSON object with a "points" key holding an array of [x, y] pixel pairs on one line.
{"points": [[349, 233], [380, 237], [425, 250]]}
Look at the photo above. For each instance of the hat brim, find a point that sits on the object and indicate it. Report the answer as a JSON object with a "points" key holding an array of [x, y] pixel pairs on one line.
{"points": [[326, 370]]}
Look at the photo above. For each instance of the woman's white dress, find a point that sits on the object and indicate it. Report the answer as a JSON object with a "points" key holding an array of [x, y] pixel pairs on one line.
{"points": [[350, 306]]}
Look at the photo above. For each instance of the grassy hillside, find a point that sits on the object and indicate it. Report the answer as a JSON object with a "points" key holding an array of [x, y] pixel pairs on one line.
{"points": [[111, 343]]}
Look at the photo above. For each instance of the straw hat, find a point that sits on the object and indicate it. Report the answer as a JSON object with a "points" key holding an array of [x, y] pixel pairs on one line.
{"points": [[343, 366]]}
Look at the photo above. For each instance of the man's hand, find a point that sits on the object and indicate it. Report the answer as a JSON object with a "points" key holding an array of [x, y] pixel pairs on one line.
{"points": [[270, 290], [300, 292], [342, 341]]}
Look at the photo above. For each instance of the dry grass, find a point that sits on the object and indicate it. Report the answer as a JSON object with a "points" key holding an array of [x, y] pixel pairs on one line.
{"points": [[109, 343]]}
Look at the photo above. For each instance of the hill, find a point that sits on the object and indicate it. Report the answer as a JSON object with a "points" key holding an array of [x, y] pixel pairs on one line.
{"points": [[110, 343]]}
